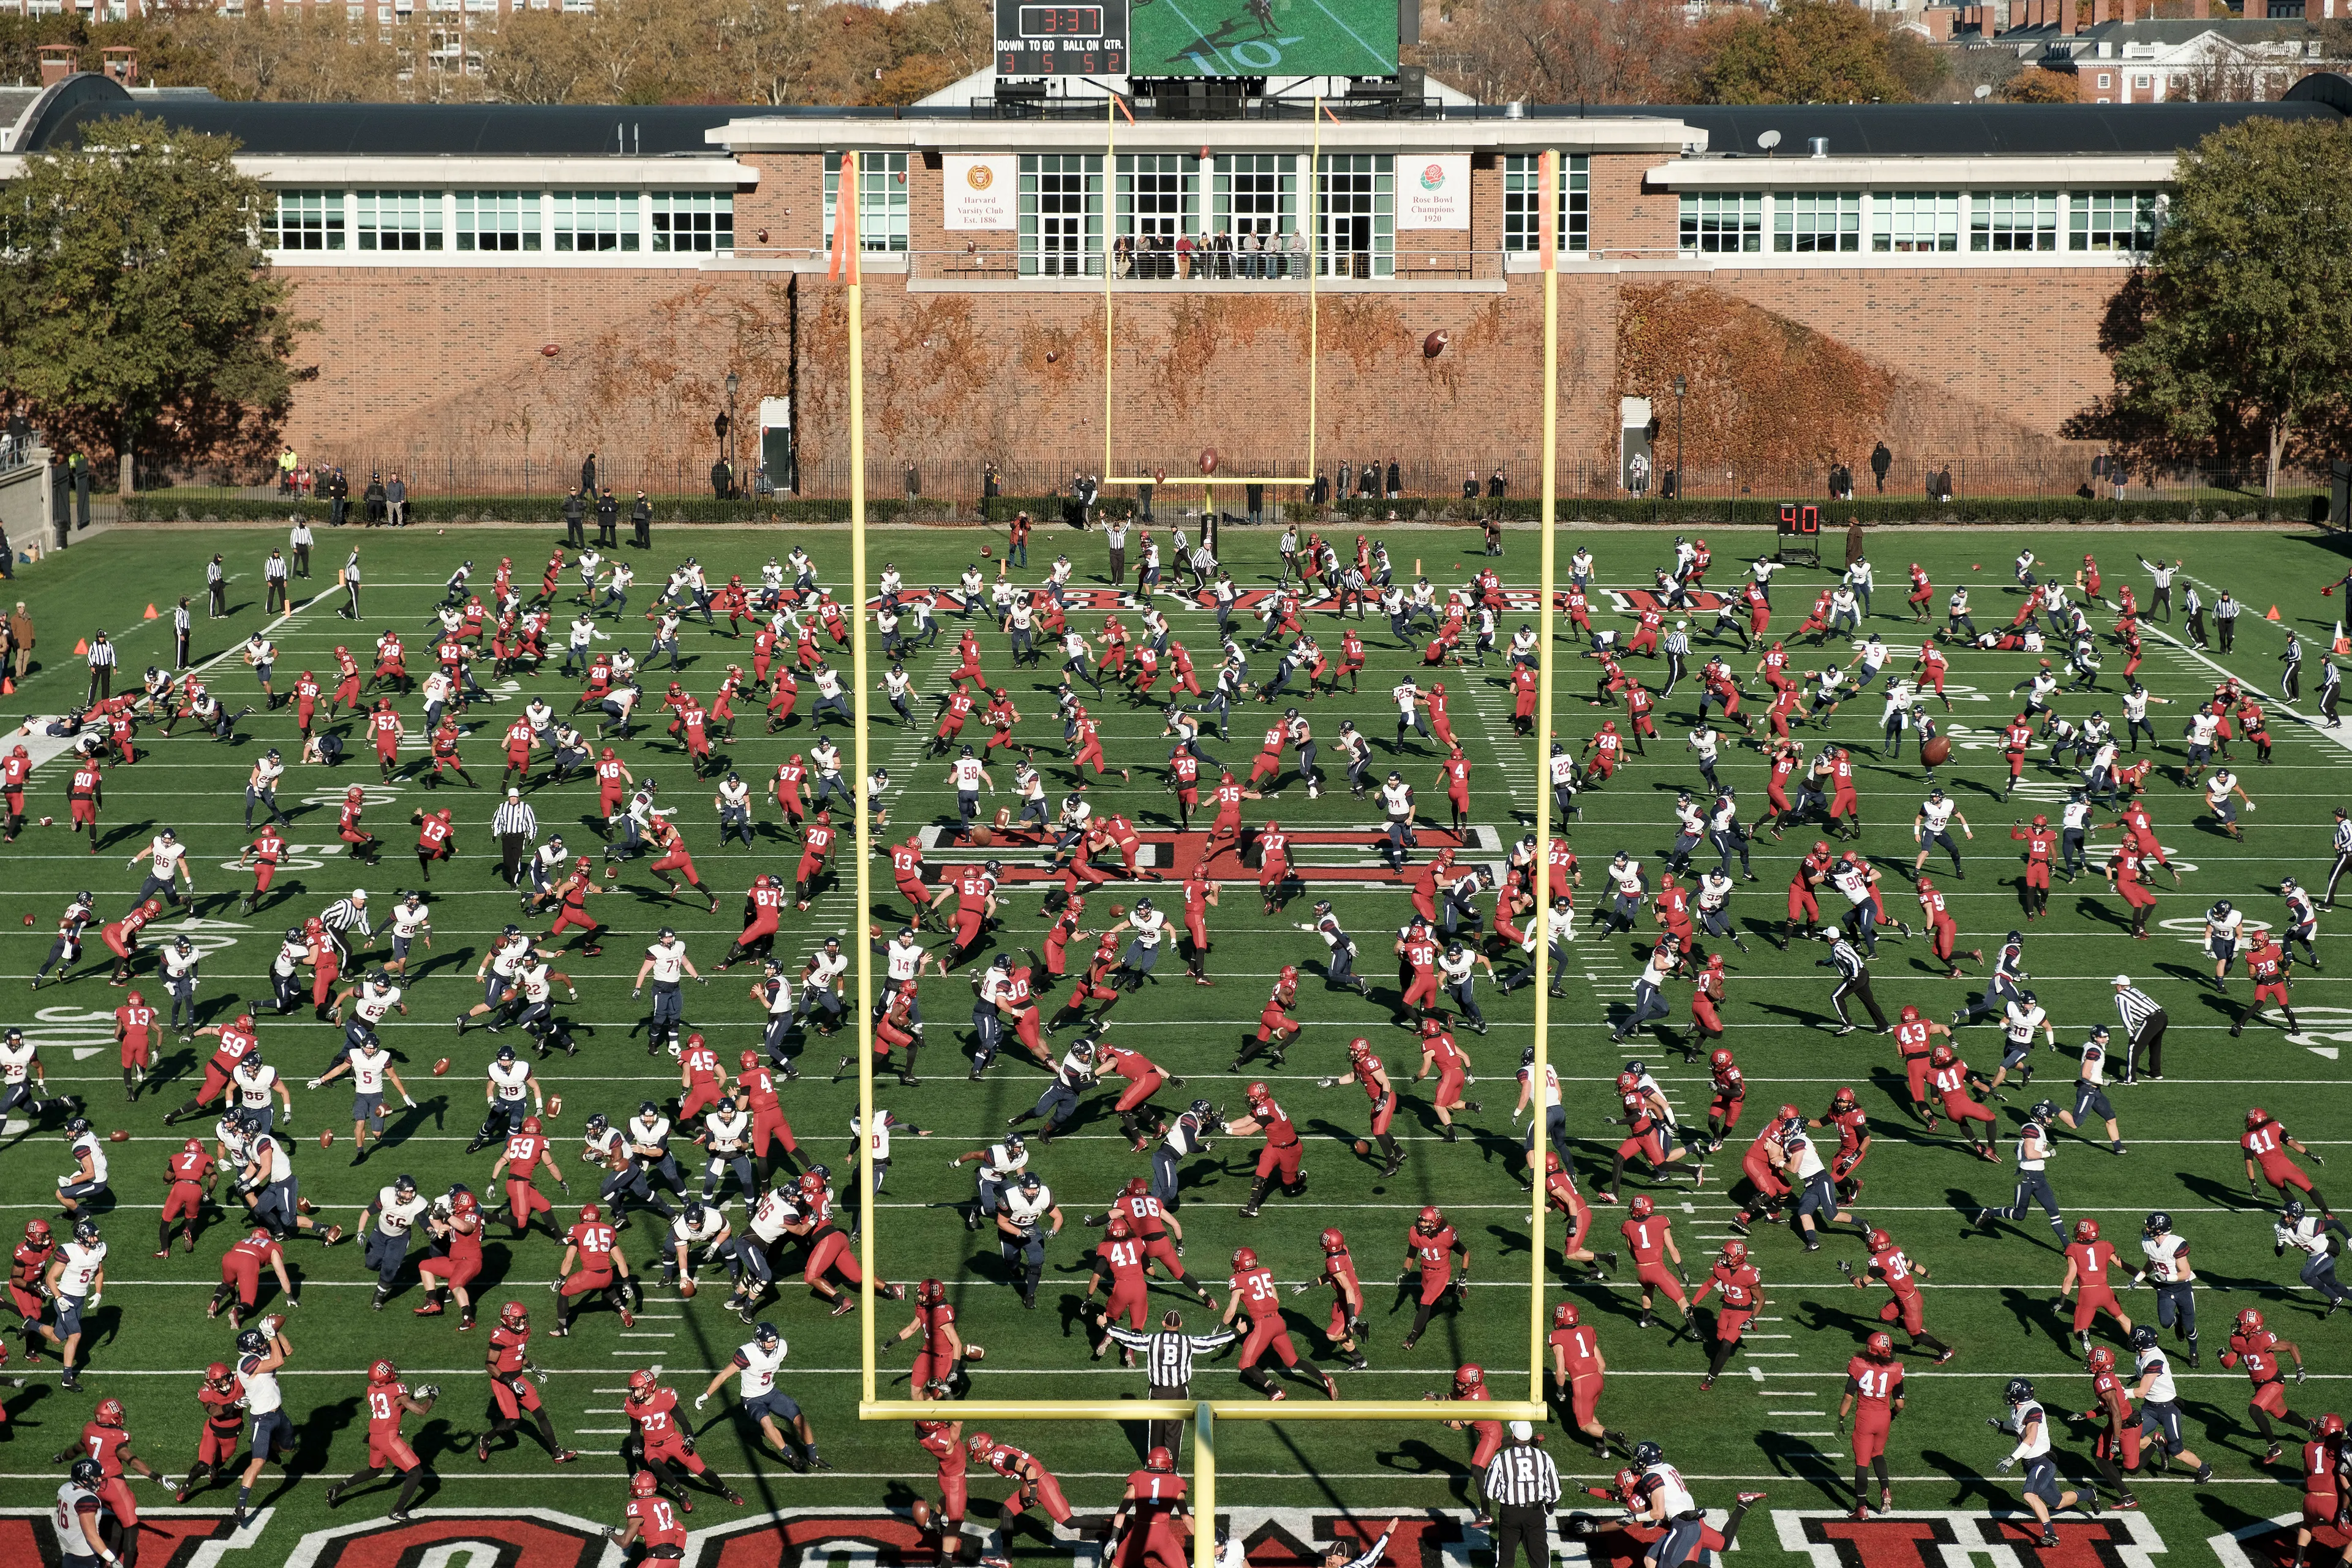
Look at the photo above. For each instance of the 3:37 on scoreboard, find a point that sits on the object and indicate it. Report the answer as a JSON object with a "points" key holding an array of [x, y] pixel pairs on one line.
{"points": [[1035, 39]]}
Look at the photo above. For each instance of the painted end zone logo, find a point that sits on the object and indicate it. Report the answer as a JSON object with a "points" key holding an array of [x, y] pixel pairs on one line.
{"points": [[1918, 1539], [168, 1537], [1317, 855]]}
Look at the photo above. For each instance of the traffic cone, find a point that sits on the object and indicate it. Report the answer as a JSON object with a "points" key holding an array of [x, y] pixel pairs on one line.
{"points": [[2273, 614], [81, 647], [150, 615], [2342, 644], [8, 687]]}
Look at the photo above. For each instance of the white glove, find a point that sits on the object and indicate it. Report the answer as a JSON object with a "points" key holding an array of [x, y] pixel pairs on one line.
{"points": [[408, 1101], [317, 1082], [65, 1181], [95, 1298], [700, 1400]]}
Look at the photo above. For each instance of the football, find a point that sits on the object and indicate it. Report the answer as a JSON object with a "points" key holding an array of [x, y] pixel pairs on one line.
{"points": [[1434, 344], [1208, 459], [440, 1066], [47, 820], [119, 1135], [270, 1325], [554, 1106], [973, 1352], [922, 1512], [1117, 911], [28, 919], [982, 837], [686, 1289], [984, 553], [326, 1138], [1362, 1147], [1935, 750]]}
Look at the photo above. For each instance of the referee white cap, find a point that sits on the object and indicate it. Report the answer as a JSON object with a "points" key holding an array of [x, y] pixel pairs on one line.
{"points": [[2122, 979], [1522, 1431]]}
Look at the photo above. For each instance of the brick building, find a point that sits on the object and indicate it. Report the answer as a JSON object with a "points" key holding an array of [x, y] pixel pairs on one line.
{"points": [[492, 280]]}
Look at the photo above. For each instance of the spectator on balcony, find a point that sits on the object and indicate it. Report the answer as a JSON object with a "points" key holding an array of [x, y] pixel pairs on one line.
{"points": [[1297, 260], [1184, 256], [1122, 256]]}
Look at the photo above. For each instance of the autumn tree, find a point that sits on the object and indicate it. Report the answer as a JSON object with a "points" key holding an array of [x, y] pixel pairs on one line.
{"points": [[2243, 319], [1569, 51], [2039, 86], [1812, 52], [136, 312]]}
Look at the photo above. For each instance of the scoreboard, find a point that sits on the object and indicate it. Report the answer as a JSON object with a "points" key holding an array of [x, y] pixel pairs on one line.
{"points": [[1035, 39]]}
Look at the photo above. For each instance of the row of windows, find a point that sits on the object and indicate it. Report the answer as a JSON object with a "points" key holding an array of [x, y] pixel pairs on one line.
{"points": [[1810, 222], [1523, 203], [664, 221], [1155, 203]]}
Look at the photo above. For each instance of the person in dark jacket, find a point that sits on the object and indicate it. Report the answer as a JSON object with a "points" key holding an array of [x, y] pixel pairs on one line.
{"points": [[371, 502], [1881, 460], [575, 514], [339, 498], [641, 519], [588, 474], [608, 520]]}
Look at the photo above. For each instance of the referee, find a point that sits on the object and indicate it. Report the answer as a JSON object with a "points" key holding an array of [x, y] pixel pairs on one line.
{"points": [[1853, 980], [2342, 854], [2144, 1021], [1168, 1352], [1520, 1485], [101, 668], [181, 629], [517, 826]]}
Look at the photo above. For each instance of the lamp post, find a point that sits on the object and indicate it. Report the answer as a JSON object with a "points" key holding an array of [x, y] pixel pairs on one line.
{"points": [[733, 382], [1681, 386]]}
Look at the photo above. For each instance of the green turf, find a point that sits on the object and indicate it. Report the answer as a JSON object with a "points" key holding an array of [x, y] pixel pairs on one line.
{"points": [[1293, 37], [1769, 1423]]}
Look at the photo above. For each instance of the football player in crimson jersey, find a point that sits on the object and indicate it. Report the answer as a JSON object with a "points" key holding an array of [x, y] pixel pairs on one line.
{"points": [[1760, 1165], [1032, 1481], [603, 1268], [1650, 1234], [663, 1442], [2119, 1429], [943, 1440], [388, 1400], [186, 1171], [1145, 1532], [1578, 1373], [2321, 1490], [1429, 1249], [2266, 1143], [1735, 1279], [507, 1358], [939, 1362], [1854, 1141], [1730, 1098], [1559, 1192], [1902, 1276], [1117, 1268], [1253, 1284], [1874, 1397], [2090, 1265], [106, 1437], [2258, 1350], [1346, 1298], [224, 1420], [1470, 1384], [652, 1519]]}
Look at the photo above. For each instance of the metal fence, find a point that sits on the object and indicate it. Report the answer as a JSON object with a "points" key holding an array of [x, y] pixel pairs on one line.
{"points": [[1435, 482]]}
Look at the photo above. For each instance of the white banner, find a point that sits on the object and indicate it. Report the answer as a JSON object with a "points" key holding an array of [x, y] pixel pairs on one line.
{"points": [[980, 189], [1435, 191]]}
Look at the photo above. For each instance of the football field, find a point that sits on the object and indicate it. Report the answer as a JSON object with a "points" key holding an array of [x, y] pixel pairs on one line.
{"points": [[1771, 1423]]}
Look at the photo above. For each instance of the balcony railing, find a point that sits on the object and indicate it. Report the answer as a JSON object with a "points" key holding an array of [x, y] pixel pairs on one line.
{"points": [[1201, 267]]}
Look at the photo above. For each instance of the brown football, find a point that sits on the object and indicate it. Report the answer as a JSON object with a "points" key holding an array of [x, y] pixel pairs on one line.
{"points": [[1362, 1147], [1434, 344], [554, 1106], [1935, 750], [983, 837], [1208, 459], [973, 1352], [326, 1138], [922, 1514], [440, 1066], [118, 1136], [686, 1289]]}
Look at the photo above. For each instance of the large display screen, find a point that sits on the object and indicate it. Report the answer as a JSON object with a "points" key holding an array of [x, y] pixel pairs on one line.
{"points": [[1263, 37]]}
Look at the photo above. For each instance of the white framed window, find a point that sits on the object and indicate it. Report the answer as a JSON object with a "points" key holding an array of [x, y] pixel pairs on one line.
{"points": [[1060, 207], [1808, 221], [1714, 222], [881, 199], [498, 220], [2106, 81], [701, 222], [305, 220], [2012, 220], [597, 220], [399, 220], [2113, 220], [1355, 195], [1523, 203], [2139, 81], [1909, 221]]}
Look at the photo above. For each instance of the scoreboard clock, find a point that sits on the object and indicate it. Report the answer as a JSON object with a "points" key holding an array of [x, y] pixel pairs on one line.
{"points": [[1035, 39]]}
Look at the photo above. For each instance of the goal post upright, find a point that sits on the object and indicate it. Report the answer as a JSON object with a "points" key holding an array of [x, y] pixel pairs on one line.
{"points": [[1539, 1079]]}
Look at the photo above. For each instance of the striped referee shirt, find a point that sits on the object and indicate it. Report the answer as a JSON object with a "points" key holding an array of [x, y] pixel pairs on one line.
{"points": [[340, 916], [2135, 1008], [514, 816], [1846, 959], [101, 654], [1521, 1476], [1168, 1354], [2343, 826]]}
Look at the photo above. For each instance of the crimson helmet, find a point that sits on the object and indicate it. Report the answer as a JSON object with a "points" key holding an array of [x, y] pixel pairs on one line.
{"points": [[1734, 1252], [1160, 1459], [216, 1374], [1843, 1101], [1941, 1057], [644, 1483], [1910, 1014], [1563, 1316], [1244, 1260], [2101, 1359], [1359, 1046], [36, 1233], [1722, 1057], [1136, 1187], [1332, 1242], [1627, 1083], [1791, 1113], [1469, 1374], [1120, 1228], [531, 1124], [2256, 1116], [2250, 1321], [514, 1315], [590, 1213], [384, 1372], [2087, 1230], [641, 1384], [1430, 1221], [1641, 1208], [1551, 1162], [1256, 1092], [110, 1412], [930, 1293], [2331, 1425], [1880, 1346], [979, 1444]]}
